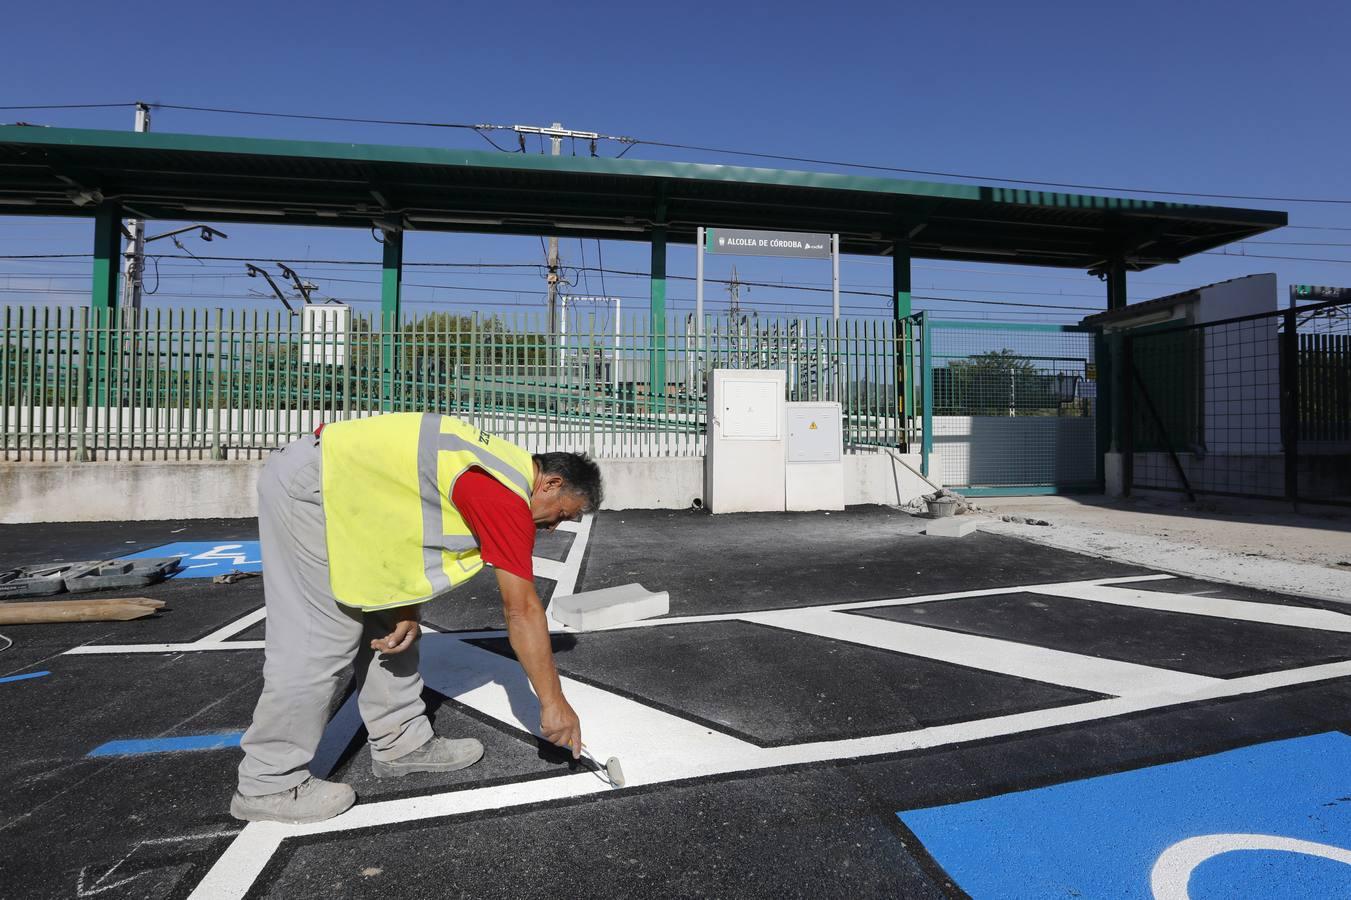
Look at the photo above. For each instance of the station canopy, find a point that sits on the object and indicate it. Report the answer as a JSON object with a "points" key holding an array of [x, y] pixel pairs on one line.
{"points": [[60, 171]]}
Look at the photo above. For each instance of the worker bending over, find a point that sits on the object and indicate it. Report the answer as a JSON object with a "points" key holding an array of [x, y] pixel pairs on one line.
{"points": [[359, 525]]}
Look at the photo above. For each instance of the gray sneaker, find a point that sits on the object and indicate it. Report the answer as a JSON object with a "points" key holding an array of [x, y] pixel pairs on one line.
{"points": [[313, 800], [437, 755]]}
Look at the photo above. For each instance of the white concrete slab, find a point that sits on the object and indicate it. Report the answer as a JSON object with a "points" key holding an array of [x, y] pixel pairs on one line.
{"points": [[952, 526], [590, 610]]}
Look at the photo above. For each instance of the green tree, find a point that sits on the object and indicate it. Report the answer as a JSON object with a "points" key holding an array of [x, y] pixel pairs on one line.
{"points": [[994, 383]]}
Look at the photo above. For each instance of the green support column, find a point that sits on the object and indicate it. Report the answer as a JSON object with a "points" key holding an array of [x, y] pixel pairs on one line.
{"points": [[107, 256], [905, 359], [657, 310], [102, 369], [1104, 409], [1116, 283], [391, 285]]}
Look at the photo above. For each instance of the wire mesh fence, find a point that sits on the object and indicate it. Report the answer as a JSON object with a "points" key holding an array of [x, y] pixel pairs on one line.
{"points": [[1013, 406], [216, 384], [1256, 406]]}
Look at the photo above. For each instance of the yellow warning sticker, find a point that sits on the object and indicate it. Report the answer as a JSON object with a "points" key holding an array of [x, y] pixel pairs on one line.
{"points": [[812, 427]]}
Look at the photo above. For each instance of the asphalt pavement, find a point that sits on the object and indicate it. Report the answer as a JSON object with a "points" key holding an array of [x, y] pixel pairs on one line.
{"points": [[837, 705]]}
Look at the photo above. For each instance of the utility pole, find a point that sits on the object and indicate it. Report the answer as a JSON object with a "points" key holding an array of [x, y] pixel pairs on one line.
{"points": [[557, 143], [734, 311], [734, 295], [133, 266], [555, 133]]}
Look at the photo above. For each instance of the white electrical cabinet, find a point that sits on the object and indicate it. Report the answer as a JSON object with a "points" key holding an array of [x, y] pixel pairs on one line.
{"points": [[752, 409], [814, 473], [744, 460]]}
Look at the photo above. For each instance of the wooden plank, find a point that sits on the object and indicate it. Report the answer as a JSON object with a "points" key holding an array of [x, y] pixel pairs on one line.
{"points": [[52, 611]]}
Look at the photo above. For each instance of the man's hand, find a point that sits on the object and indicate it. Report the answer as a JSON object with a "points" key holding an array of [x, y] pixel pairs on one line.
{"points": [[560, 726], [406, 630]]}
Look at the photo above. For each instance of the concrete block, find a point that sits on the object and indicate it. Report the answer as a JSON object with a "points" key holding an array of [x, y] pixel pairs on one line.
{"points": [[609, 606], [953, 526]]}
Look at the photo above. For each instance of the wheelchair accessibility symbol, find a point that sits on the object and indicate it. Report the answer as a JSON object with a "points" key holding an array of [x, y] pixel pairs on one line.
{"points": [[1173, 871], [1270, 820], [205, 559]]}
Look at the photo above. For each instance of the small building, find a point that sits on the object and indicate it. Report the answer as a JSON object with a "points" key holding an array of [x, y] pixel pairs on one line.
{"points": [[1206, 386]]}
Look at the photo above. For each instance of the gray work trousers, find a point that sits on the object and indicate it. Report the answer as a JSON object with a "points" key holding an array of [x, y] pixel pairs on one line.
{"points": [[311, 638]]}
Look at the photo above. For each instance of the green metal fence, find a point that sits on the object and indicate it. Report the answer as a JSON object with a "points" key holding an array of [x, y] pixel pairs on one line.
{"points": [[1010, 408], [80, 384]]}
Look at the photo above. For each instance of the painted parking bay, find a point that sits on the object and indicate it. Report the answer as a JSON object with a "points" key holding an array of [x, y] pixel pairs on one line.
{"points": [[1271, 820], [207, 559]]}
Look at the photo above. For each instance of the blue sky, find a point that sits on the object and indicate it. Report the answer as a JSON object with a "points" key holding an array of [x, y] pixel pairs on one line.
{"points": [[1206, 97]]}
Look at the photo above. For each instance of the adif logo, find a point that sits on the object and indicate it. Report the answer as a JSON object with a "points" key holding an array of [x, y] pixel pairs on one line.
{"points": [[722, 241]]}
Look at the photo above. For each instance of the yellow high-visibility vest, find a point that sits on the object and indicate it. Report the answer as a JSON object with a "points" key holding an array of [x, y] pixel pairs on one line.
{"points": [[393, 536]]}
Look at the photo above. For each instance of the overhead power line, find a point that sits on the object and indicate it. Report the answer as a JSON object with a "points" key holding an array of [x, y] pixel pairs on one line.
{"points": [[1319, 259]]}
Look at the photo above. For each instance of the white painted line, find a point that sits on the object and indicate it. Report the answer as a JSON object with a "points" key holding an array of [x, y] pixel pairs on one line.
{"points": [[1002, 726], [235, 627], [107, 649], [242, 862], [235, 872], [1086, 673], [651, 743], [1216, 607], [870, 604], [566, 573], [567, 581]]}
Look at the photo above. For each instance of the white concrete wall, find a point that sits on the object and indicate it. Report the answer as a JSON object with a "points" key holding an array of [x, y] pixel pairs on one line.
{"points": [[657, 483], [141, 491], [127, 491], [1007, 450], [884, 477], [1242, 379], [1245, 296], [1241, 388]]}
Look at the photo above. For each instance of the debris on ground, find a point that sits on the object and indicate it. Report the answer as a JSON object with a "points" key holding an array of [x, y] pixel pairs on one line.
{"points": [[1024, 520], [920, 505], [232, 577], [43, 612], [79, 577]]}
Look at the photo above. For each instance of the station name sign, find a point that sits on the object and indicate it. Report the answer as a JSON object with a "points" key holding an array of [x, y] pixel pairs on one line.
{"points": [[768, 243], [1318, 293]]}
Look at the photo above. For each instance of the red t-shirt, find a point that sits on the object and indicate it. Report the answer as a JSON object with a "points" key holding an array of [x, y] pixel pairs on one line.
{"points": [[499, 519]]}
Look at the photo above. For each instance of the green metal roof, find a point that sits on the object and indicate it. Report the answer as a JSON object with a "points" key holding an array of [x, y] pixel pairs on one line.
{"points": [[229, 179]]}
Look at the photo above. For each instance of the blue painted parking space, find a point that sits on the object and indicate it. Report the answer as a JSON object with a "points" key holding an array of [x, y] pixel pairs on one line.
{"points": [[24, 677], [1270, 820], [207, 559], [137, 747]]}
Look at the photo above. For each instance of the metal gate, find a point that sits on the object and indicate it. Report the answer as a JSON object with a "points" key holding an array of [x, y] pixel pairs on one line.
{"points": [[1253, 406], [1010, 408]]}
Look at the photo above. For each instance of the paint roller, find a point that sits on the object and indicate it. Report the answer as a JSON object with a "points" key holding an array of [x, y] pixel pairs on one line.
{"points": [[613, 770]]}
